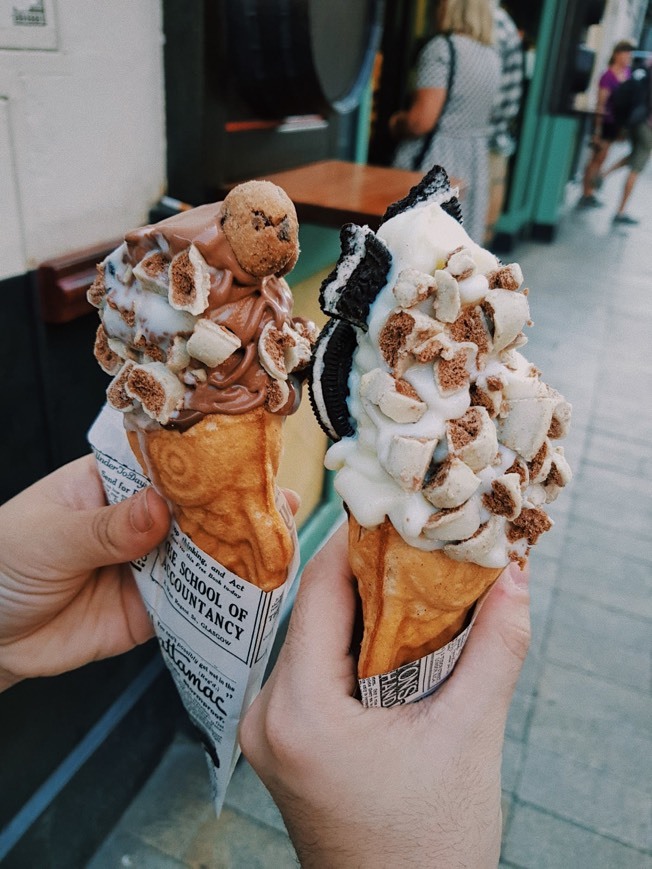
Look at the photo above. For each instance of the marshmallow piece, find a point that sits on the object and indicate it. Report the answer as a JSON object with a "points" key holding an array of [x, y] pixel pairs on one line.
{"points": [[374, 384], [153, 272], [116, 392], [121, 349], [402, 405], [193, 376], [282, 351], [190, 282], [408, 460], [96, 293], [109, 360], [452, 372], [536, 496], [178, 357], [396, 399], [520, 467], [423, 327], [456, 524], [473, 289], [271, 351], [491, 399], [278, 393], [507, 313], [507, 277], [526, 424], [298, 349], [150, 351], [505, 498], [530, 524], [559, 476], [453, 484], [561, 416], [476, 548], [434, 346], [402, 333], [158, 390], [211, 343], [526, 386], [461, 264], [509, 358], [412, 287], [541, 464], [472, 438], [307, 329], [447, 298]]}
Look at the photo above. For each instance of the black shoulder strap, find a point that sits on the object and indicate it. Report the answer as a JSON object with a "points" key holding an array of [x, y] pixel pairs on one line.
{"points": [[427, 139]]}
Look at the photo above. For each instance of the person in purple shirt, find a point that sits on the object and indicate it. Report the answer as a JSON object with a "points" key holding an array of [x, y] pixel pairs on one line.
{"points": [[605, 130]]}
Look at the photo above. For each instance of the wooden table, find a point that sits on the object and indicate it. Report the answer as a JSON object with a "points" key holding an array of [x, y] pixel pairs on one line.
{"points": [[333, 192]]}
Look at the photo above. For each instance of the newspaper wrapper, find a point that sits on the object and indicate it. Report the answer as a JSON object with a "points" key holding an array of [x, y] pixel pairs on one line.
{"points": [[215, 630], [416, 680]]}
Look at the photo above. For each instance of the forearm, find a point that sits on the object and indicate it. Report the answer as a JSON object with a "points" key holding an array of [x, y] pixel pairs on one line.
{"points": [[410, 125], [421, 117]]}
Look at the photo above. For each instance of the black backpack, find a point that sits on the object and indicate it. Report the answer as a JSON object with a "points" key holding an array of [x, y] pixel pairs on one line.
{"points": [[630, 100]]}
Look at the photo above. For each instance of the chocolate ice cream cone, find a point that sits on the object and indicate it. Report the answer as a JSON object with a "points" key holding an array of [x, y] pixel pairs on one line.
{"points": [[207, 360]]}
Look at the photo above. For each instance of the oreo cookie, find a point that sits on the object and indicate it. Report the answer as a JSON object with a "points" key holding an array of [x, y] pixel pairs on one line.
{"points": [[433, 187], [328, 386], [359, 275]]}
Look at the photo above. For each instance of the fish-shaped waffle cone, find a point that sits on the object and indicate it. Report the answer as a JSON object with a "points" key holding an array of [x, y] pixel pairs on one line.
{"points": [[220, 477], [413, 602]]}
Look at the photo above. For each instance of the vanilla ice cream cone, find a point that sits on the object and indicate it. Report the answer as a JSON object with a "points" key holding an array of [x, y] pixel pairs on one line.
{"points": [[443, 432], [413, 601]]}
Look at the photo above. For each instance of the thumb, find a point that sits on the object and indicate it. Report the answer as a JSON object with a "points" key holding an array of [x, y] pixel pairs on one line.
{"points": [[115, 534], [492, 659]]}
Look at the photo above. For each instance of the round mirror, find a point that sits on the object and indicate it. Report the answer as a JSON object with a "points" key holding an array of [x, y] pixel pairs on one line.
{"points": [[302, 57]]}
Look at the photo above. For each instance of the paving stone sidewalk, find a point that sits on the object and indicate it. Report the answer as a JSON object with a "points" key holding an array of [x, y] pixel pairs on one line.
{"points": [[577, 772]]}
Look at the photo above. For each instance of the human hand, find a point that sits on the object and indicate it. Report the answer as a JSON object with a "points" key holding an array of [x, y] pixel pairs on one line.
{"points": [[415, 785], [397, 125], [67, 593]]}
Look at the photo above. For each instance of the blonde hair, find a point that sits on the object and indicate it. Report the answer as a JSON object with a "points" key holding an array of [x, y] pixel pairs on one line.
{"points": [[472, 18]]}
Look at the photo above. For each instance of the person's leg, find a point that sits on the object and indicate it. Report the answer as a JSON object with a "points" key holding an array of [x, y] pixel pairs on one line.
{"points": [[624, 161], [641, 137], [630, 181], [593, 167], [497, 186]]}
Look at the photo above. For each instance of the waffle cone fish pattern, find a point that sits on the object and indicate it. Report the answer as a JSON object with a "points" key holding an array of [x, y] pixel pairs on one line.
{"points": [[197, 333], [220, 475], [414, 602], [445, 437]]}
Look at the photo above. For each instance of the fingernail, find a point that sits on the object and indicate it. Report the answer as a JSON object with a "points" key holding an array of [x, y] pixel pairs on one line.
{"points": [[520, 578], [139, 514]]}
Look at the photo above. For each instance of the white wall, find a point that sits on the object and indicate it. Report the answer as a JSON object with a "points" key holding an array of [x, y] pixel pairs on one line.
{"points": [[82, 129]]}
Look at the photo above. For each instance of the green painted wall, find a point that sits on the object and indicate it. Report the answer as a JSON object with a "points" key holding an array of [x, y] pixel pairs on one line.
{"points": [[546, 144]]}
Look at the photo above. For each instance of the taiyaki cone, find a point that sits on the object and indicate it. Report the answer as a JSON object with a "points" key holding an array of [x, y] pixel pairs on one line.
{"points": [[220, 477], [413, 602]]}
